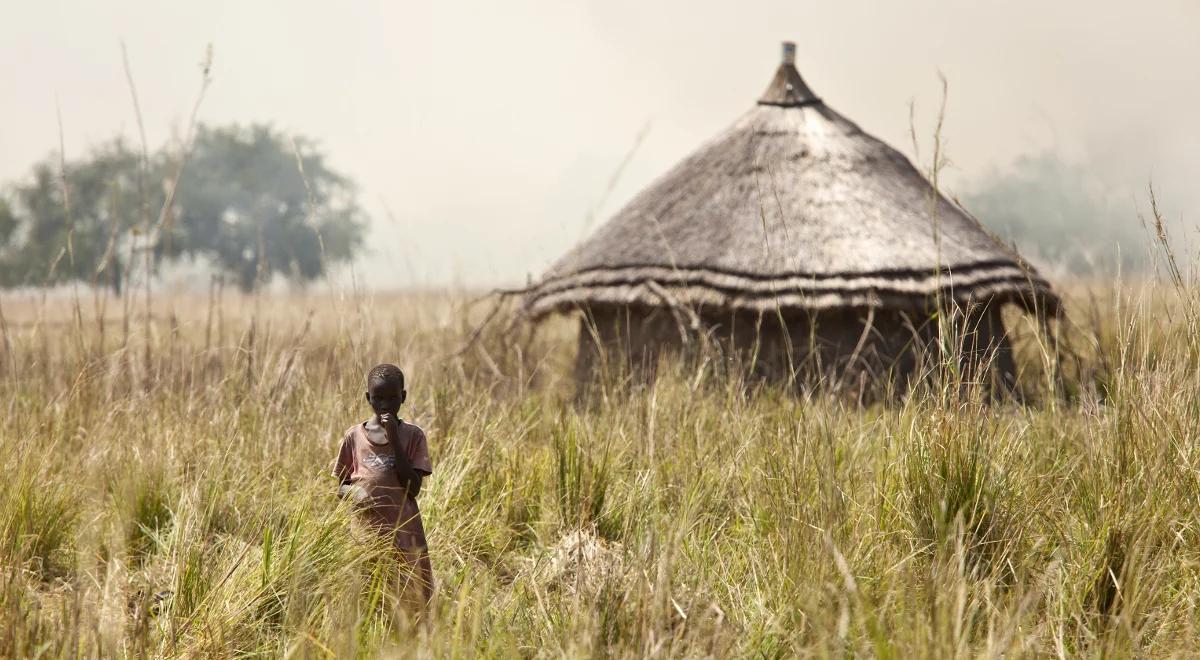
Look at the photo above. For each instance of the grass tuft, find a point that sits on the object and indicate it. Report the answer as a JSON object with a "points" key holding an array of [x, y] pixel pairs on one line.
{"points": [[687, 514]]}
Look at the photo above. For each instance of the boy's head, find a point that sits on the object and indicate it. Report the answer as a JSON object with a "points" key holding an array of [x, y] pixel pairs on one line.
{"points": [[385, 388]]}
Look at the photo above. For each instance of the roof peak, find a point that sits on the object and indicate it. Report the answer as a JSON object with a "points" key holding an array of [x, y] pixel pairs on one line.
{"points": [[787, 88]]}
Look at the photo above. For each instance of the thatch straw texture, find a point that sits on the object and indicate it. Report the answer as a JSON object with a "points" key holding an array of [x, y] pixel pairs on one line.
{"points": [[794, 206]]}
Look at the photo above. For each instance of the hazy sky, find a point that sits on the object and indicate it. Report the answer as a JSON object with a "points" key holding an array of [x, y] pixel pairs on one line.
{"points": [[492, 129]]}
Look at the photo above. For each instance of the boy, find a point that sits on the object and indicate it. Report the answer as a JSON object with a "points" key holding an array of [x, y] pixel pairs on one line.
{"points": [[381, 464]]}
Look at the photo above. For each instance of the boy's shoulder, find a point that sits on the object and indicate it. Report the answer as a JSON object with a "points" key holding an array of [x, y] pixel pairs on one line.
{"points": [[352, 431], [411, 428]]}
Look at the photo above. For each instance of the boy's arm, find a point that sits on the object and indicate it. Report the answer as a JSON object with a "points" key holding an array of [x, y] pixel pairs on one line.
{"points": [[343, 468], [409, 477]]}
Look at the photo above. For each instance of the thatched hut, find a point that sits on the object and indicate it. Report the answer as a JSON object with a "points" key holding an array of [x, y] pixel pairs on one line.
{"points": [[799, 241]]}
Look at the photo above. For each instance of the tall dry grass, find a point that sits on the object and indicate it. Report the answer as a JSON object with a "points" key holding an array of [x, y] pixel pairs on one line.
{"points": [[167, 491], [172, 498]]}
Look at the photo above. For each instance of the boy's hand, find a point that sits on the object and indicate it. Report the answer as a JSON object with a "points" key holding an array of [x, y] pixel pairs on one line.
{"points": [[391, 428]]}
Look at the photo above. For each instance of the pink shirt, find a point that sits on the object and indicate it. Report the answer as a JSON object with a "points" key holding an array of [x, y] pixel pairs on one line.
{"points": [[372, 467]]}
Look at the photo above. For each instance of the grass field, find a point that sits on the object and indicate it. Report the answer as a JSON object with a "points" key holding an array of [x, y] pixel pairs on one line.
{"points": [[167, 493]]}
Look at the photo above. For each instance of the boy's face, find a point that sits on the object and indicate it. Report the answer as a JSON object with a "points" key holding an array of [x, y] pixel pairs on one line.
{"points": [[386, 398]]}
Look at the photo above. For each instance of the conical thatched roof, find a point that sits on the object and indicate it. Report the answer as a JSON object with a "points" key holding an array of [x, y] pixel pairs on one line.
{"points": [[793, 206]]}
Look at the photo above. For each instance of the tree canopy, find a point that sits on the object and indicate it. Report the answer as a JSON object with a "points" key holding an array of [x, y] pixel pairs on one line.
{"points": [[1058, 212], [103, 198], [242, 204]]}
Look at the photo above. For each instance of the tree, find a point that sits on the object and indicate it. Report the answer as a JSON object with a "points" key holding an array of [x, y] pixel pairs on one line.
{"points": [[1059, 212], [8, 226], [105, 200], [243, 202]]}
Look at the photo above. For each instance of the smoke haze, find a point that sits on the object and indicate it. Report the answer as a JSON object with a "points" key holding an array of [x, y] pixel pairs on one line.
{"points": [[485, 134]]}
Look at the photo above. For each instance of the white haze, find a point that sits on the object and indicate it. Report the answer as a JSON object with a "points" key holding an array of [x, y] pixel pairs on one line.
{"points": [[491, 130]]}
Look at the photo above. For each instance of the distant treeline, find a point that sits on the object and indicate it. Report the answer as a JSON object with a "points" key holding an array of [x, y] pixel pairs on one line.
{"points": [[255, 204], [248, 200], [1060, 214]]}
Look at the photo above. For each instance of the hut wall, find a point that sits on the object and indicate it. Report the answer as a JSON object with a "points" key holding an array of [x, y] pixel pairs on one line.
{"points": [[986, 352], [625, 341], [863, 351], [851, 349]]}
